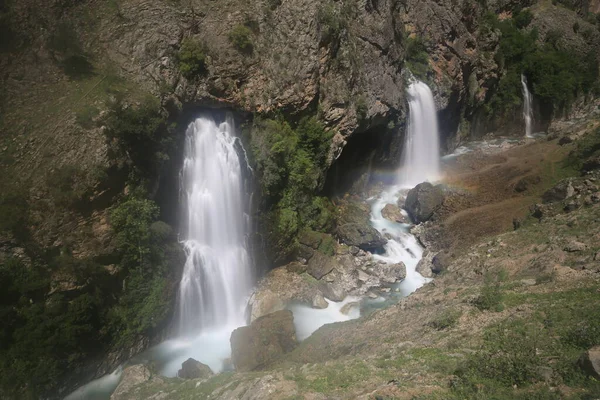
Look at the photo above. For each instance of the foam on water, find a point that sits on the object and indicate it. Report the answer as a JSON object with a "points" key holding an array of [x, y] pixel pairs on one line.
{"points": [[307, 319]]}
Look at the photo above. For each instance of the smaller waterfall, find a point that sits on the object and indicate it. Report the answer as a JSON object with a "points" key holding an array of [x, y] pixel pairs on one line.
{"points": [[527, 109], [420, 158]]}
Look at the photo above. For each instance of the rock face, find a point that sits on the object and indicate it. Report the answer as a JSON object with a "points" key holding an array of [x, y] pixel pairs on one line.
{"points": [[132, 376], [589, 362], [422, 201], [264, 341], [192, 369]]}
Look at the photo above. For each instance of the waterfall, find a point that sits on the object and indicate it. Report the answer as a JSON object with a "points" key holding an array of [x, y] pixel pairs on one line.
{"points": [[527, 109], [420, 157], [217, 275]]}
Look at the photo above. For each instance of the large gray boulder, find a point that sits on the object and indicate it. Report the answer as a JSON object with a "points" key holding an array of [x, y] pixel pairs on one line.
{"points": [[354, 227], [422, 201], [264, 341], [132, 377], [589, 362], [193, 369], [561, 191]]}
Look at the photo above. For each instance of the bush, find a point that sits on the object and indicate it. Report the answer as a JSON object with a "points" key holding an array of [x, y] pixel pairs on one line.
{"points": [[416, 57], [241, 38], [192, 58], [66, 185], [67, 49], [491, 296], [140, 134], [331, 22], [446, 320]]}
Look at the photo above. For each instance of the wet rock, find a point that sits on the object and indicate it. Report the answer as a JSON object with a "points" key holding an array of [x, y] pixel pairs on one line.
{"points": [[132, 376], [589, 362], [264, 341], [422, 201], [193, 369], [561, 191], [264, 302], [394, 213], [319, 302], [347, 308]]}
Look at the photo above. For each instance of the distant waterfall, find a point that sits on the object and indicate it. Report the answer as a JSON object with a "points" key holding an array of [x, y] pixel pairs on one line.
{"points": [[420, 158], [217, 274], [527, 109]]}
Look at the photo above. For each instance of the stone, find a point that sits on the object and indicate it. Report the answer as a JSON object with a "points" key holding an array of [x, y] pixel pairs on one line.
{"points": [[320, 265], [591, 163], [424, 266], [364, 237], [575, 246], [333, 291], [132, 376], [319, 302], [560, 192], [347, 308], [193, 369], [440, 262], [524, 183], [391, 273], [589, 362], [422, 201], [565, 140], [263, 341], [394, 213]]}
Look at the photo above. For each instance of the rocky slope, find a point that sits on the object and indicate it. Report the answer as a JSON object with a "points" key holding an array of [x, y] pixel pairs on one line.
{"points": [[76, 83]]}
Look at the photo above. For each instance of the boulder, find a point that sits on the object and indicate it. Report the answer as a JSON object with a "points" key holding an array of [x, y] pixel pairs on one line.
{"points": [[424, 267], [440, 262], [394, 213], [362, 236], [422, 201], [132, 376], [320, 265], [354, 227], [561, 191], [589, 362], [591, 163], [319, 302], [333, 291], [193, 369], [264, 341], [391, 273]]}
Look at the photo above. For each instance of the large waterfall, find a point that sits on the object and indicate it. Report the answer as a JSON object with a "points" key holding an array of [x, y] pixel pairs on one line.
{"points": [[421, 155], [217, 276], [527, 109]]}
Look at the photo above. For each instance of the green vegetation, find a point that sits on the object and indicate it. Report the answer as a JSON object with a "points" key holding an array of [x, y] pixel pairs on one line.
{"points": [[69, 53], [241, 38], [331, 22], [192, 58], [446, 320], [588, 146], [291, 163], [139, 135], [491, 296], [556, 75], [417, 59], [518, 356], [65, 185]]}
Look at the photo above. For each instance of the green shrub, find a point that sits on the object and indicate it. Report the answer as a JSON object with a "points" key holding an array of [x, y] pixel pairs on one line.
{"points": [[140, 134], [241, 38], [192, 58], [85, 116], [66, 185], [331, 22], [446, 320], [491, 296], [67, 49], [417, 58], [523, 18]]}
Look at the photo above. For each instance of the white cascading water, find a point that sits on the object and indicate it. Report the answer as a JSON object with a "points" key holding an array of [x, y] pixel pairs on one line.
{"points": [[420, 157], [217, 275], [420, 162], [527, 109]]}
